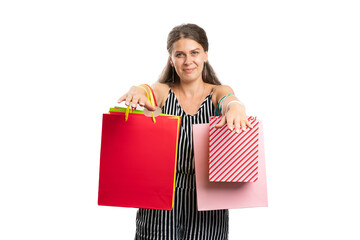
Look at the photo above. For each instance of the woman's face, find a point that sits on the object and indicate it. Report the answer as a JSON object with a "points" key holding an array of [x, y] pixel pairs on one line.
{"points": [[188, 58]]}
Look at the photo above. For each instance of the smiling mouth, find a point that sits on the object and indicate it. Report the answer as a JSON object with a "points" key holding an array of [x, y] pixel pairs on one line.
{"points": [[189, 70]]}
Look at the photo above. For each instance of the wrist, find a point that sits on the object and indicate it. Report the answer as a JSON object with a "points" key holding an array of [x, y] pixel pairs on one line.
{"points": [[237, 102]]}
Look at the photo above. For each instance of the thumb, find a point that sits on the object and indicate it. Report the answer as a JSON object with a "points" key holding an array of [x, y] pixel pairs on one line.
{"points": [[221, 123], [149, 107]]}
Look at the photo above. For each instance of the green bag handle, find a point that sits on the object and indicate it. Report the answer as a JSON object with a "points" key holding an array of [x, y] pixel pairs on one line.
{"points": [[218, 108]]}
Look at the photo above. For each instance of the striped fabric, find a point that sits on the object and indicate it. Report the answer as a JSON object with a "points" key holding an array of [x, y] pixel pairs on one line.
{"points": [[184, 221]]}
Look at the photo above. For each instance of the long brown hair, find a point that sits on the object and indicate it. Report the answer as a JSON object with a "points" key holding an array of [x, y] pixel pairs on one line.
{"points": [[196, 33]]}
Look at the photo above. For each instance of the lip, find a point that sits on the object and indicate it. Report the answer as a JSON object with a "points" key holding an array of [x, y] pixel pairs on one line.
{"points": [[189, 70]]}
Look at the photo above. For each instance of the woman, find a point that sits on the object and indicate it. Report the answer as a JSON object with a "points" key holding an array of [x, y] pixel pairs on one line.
{"points": [[188, 87]]}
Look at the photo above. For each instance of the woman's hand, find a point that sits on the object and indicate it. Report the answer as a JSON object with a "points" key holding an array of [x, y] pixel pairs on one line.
{"points": [[136, 95], [234, 113], [235, 116]]}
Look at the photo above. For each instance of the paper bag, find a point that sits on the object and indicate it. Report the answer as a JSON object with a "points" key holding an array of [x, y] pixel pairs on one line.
{"points": [[226, 195], [138, 160]]}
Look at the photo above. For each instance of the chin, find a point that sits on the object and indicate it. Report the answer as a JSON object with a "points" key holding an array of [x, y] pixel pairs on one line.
{"points": [[189, 78]]}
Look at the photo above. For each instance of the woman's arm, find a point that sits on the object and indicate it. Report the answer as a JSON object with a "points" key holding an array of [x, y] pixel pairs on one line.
{"points": [[234, 114], [161, 91]]}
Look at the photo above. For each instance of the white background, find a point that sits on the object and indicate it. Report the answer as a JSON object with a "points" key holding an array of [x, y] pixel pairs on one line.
{"points": [[293, 63]]}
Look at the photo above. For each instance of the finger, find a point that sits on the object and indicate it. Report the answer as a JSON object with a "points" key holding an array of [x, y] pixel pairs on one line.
{"points": [[142, 101], [237, 125], [230, 123], [128, 100], [148, 106], [134, 101], [243, 126], [249, 124], [122, 98], [221, 123]]}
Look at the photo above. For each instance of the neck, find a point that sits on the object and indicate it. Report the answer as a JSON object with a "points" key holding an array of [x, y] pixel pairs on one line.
{"points": [[190, 89]]}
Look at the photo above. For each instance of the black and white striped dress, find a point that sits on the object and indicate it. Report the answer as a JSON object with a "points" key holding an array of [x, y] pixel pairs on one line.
{"points": [[184, 221]]}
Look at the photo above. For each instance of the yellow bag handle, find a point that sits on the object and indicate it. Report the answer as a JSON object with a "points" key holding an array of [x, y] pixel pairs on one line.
{"points": [[151, 97], [151, 100]]}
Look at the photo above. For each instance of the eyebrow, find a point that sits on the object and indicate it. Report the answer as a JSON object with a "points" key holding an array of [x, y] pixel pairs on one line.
{"points": [[190, 50]]}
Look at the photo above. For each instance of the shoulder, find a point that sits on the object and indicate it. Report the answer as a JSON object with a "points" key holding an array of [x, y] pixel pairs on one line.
{"points": [[162, 87], [221, 90], [161, 91]]}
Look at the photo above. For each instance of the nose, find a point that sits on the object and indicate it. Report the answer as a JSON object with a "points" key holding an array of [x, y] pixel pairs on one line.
{"points": [[188, 60]]}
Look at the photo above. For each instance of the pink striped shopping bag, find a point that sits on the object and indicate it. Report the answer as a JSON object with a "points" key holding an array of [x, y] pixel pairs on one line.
{"points": [[233, 157]]}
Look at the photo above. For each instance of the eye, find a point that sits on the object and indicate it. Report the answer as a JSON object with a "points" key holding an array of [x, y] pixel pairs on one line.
{"points": [[179, 55], [195, 52]]}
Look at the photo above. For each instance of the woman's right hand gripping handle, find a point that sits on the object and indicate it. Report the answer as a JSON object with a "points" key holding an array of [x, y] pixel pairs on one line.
{"points": [[136, 95]]}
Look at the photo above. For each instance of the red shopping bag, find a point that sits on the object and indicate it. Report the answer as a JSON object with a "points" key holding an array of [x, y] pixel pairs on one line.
{"points": [[233, 157], [138, 160]]}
